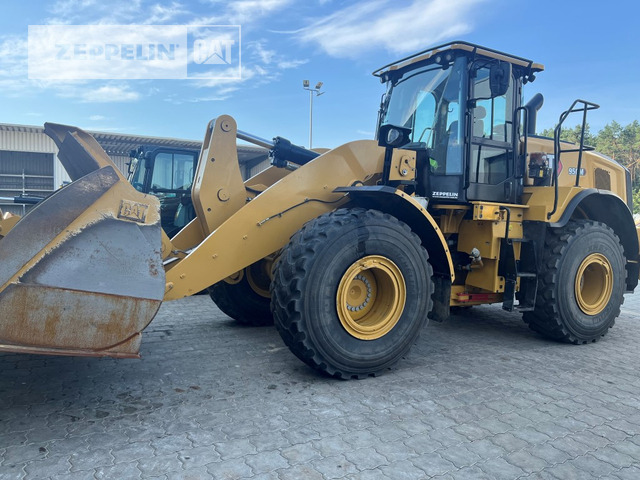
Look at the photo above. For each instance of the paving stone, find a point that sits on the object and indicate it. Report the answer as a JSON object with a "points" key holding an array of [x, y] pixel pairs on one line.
{"points": [[433, 464], [403, 470], [568, 471], [235, 448], [472, 473], [230, 469], [298, 472], [48, 467], [531, 435], [527, 462], [374, 474], [592, 465], [499, 468], [366, 458], [508, 442], [548, 453], [331, 446], [129, 452], [485, 448], [159, 465], [119, 470], [90, 460], [171, 444], [397, 451], [264, 462], [614, 457], [334, 467], [630, 473], [198, 456], [572, 447], [459, 455], [300, 454]]}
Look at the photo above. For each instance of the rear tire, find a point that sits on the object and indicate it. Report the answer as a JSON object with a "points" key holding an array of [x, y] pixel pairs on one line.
{"points": [[351, 292], [581, 285], [247, 300]]}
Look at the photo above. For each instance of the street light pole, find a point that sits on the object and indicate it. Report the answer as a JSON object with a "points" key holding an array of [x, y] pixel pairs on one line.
{"points": [[312, 91]]}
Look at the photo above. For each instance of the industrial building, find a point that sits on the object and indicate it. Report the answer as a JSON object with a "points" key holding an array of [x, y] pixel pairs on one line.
{"points": [[29, 163]]}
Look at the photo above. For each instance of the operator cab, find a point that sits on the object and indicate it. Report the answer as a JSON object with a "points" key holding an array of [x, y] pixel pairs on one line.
{"points": [[458, 107], [168, 174]]}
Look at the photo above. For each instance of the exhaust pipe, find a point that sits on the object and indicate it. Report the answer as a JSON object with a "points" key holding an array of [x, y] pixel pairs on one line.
{"points": [[532, 108]]}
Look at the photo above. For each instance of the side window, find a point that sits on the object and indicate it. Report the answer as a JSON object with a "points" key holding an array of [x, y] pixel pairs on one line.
{"points": [[447, 150], [492, 117], [424, 115], [182, 171], [162, 171], [488, 164]]}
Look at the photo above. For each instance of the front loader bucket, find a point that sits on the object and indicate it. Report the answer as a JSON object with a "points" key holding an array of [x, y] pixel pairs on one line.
{"points": [[82, 274]]}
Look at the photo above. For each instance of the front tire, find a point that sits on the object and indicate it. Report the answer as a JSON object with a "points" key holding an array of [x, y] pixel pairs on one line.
{"points": [[246, 297], [351, 292], [581, 284]]}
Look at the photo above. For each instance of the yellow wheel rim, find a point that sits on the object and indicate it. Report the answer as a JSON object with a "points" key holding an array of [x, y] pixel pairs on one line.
{"points": [[594, 284], [371, 297], [259, 277]]}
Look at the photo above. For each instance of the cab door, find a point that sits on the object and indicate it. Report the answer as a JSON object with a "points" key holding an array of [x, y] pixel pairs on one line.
{"points": [[490, 174]]}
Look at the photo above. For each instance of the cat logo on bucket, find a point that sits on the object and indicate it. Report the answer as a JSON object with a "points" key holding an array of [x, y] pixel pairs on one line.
{"points": [[133, 211]]}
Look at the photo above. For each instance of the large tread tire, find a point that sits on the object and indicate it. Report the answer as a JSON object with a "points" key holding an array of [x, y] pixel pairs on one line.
{"points": [[557, 313], [242, 303], [306, 284]]}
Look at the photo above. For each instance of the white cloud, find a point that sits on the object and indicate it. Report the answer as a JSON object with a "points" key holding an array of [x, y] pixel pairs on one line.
{"points": [[164, 13], [109, 93], [244, 11], [241, 12], [386, 24], [97, 118], [83, 12], [288, 64]]}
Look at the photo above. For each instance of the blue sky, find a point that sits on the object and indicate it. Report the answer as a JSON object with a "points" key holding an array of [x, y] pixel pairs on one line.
{"points": [[590, 51]]}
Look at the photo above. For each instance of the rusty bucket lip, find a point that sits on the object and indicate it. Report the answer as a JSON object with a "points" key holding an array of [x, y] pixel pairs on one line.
{"points": [[8, 348]]}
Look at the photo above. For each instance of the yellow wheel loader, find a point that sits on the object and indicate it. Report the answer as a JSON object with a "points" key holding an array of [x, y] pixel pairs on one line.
{"points": [[457, 203]]}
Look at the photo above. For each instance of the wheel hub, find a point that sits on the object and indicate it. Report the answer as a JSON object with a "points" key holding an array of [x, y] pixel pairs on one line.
{"points": [[594, 284], [371, 297]]}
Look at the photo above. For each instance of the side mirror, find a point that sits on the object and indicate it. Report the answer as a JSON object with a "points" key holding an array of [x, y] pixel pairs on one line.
{"points": [[131, 166], [391, 136], [499, 78]]}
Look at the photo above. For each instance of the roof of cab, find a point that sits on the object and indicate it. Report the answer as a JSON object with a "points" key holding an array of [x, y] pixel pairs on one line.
{"points": [[459, 45]]}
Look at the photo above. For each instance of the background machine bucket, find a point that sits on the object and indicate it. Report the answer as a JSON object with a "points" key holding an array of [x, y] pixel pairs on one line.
{"points": [[82, 274]]}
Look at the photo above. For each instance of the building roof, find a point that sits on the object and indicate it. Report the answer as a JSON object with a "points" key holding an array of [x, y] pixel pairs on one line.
{"points": [[121, 144]]}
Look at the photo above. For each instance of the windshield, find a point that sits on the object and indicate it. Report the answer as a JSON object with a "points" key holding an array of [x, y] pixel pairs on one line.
{"points": [[172, 171], [427, 100]]}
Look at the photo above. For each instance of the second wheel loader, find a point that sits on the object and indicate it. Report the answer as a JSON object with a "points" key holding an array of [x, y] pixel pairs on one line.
{"points": [[457, 203]]}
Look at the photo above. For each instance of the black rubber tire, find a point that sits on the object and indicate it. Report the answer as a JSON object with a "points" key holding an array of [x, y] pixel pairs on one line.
{"points": [[305, 284], [557, 314], [242, 303]]}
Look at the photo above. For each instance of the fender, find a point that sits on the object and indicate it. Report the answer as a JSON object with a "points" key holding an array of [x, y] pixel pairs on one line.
{"points": [[406, 208]]}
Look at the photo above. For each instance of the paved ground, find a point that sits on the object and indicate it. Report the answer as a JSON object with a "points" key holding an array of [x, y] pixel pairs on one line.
{"points": [[478, 397]]}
